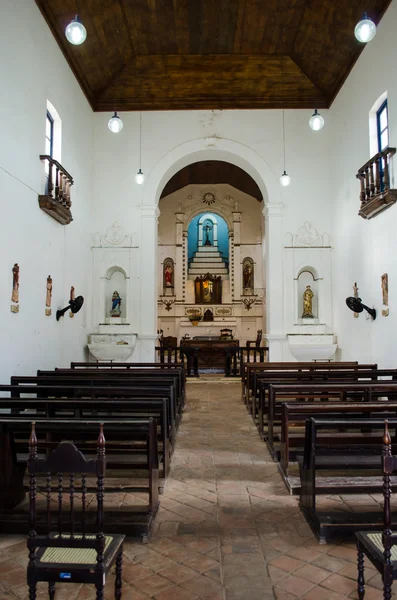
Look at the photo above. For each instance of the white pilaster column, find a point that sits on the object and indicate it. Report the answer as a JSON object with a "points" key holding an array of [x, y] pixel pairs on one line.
{"points": [[237, 255], [148, 282], [273, 259], [179, 256]]}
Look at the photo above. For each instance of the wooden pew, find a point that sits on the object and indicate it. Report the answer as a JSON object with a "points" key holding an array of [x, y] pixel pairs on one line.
{"points": [[101, 393], [260, 402], [279, 394], [14, 436], [293, 421], [339, 459], [174, 367], [296, 367], [154, 377], [109, 408], [21, 386]]}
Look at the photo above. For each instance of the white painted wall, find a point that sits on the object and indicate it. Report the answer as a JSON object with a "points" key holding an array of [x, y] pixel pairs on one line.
{"points": [[364, 250], [32, 70], [171, 140]]}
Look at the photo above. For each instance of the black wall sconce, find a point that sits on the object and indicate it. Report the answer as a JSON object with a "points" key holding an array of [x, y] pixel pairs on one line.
{"points": [[357, 306]]}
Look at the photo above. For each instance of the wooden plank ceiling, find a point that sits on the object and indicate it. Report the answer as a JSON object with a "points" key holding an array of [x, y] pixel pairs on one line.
{"points": [[213, 172], [211, 54]]}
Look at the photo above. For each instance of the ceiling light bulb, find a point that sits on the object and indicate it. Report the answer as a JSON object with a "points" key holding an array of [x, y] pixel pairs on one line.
{"points": [[316, 121], [365, 30], [139, 177], [76, 32], [115, 124], [285, 179]]}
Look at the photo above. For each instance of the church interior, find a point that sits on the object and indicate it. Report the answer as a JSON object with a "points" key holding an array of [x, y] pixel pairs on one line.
{"points": [[198, 393]]}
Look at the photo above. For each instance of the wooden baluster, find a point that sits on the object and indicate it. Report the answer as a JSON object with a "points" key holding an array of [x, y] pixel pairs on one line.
{"points": [[371, 177], [367, 188], [83, 502], [67, 192], [57, 183], [61, 187], [48, 494], [362, 192], [50, 183], [60, 498], [386, 174], [377, 175], [71, 500]]}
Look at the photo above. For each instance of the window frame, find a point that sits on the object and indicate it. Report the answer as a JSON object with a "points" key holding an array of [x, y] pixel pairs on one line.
{"points": [[50, 118], [383, 107]]}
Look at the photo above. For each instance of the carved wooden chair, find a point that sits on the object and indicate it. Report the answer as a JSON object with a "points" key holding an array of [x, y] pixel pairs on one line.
{"points": [[258, 340], [169, 341], [380, 546], [66, 553]]}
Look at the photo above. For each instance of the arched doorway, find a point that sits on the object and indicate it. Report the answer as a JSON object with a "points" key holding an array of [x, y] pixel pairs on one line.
{"points": [[181, 156]]}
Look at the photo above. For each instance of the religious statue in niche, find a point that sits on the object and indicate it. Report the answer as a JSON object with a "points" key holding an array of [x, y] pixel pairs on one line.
{"points": [[48, 296], [308, 303], [207, 229], [168, 276], [15, 288], [208, 289], [248, 276], [355, 294], [385, 294], [116, 305], [72, 297]]}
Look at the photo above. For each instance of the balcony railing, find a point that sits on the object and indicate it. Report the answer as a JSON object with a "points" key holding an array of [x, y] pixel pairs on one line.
{"points": [[374, 176], [56, 202]]}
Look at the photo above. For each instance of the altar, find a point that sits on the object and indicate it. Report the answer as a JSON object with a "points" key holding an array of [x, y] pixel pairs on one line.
{"points": [[212, 350]]}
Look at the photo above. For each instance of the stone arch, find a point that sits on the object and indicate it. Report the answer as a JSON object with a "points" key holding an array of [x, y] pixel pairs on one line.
{"points": [[211, 149]]}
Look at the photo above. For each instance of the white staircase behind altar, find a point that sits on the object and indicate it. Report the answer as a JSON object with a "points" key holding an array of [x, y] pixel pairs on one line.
{"points": [[207, 259]]}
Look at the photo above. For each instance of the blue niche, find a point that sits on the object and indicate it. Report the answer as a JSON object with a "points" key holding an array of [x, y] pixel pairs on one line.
{"points": [[223, 234]]}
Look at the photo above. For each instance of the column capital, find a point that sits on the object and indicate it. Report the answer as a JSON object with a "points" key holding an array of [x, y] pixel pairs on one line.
{"points": [[275, 209], [150, 211]]}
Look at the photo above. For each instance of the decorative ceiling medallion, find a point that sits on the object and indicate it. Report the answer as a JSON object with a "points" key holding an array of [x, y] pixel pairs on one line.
{"points": [[209, 198]]}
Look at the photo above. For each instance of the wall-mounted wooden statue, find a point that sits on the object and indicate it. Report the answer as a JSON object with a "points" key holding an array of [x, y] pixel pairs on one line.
{"points": [[385, 294], [48, 296], [355, 295], [248, 276], [15, 289], [71, 299]]}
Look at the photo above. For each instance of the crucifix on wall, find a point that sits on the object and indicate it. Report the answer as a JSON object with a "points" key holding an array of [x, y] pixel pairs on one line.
{"points": [[207, 228]]}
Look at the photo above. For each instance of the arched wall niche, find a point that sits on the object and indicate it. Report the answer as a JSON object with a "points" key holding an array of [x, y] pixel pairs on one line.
{"points": [[307, 275]]}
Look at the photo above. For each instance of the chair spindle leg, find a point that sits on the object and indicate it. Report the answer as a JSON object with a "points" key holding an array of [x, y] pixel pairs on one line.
{"points": [[51, 590], [99, 592], [32, 591], [360, 578], [119, 568]]}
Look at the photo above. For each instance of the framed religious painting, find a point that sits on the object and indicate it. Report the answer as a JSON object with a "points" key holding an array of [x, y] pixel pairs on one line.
{"points": [[208, 289]]}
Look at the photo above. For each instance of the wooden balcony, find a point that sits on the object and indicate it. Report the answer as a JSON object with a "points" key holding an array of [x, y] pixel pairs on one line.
{"points": [[374, 176], [56, 202]]}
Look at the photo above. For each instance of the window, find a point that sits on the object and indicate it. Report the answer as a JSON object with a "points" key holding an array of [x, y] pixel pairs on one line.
{"points": [[49, 139], [49, 134], [382, 129], [382, 123]]}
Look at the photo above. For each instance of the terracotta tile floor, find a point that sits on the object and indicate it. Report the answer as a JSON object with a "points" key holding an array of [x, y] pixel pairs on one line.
{"points": [[226, 529]]}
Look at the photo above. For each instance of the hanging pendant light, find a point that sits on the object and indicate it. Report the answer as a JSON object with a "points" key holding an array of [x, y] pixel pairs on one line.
{"points": [[316, 121], [75, 32], [139, 177], [365, 30], [115, 124], [285, 179]]}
